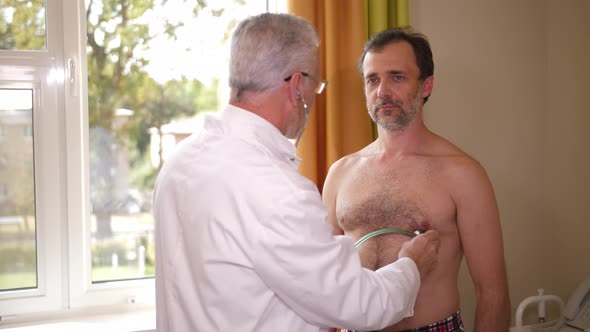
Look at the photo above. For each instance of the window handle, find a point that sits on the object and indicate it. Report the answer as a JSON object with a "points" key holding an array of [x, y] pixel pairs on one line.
{"points": [[72, 77]]}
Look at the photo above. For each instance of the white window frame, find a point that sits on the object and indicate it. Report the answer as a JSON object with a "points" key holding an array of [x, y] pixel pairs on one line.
{"points": [[40, 72], [48, 159], [83, 292], [60, 135]]}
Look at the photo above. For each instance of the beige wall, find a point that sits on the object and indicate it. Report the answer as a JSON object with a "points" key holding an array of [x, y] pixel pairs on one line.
{"points": [[510, 82]]}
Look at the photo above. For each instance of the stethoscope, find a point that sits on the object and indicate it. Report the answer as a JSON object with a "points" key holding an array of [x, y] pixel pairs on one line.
{"points": [[387, 231], [300, 133]]}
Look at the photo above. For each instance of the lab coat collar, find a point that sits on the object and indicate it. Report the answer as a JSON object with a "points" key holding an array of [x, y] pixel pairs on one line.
{"points": [[250, 126]]}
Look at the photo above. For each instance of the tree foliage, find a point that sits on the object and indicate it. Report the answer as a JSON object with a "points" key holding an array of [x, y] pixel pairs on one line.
{"points": [[117, 33], [22, 25]]}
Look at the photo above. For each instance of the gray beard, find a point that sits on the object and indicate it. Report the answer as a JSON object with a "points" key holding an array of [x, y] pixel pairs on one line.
{"points": [[401, 122], [398, 124]]}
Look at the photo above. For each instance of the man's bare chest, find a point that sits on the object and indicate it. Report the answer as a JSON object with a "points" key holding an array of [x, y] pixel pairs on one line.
{"points": [[407, 199], [369, 200]]}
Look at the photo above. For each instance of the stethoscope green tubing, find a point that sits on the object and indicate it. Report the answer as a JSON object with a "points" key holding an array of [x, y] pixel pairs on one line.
{"points": [[383, 231]]}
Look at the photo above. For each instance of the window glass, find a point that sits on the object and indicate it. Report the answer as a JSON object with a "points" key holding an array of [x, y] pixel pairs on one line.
{"points": [[153, 70], [18, 257], [22, 25]]}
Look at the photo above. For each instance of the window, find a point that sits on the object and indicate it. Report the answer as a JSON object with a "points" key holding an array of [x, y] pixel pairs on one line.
{"points": [[27, 132], [3, 219], [168, 90], [96, 121], [18, 264], [31, 214]]}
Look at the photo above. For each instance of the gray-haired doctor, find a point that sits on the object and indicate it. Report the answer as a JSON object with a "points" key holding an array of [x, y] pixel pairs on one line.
{"points": [[242, 242]]}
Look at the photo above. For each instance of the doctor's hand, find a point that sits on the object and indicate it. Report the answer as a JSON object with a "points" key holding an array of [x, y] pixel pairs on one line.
{"points": [[423, 250]]}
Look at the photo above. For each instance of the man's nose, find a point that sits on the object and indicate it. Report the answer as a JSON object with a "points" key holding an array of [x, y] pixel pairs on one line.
{"points": [[384, 89]]}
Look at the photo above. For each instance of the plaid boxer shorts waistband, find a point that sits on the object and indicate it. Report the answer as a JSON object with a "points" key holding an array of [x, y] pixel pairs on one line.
{"points": [[452, 323]]}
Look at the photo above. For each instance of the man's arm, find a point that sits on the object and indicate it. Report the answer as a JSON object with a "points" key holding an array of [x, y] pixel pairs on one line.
{"points": [[481, 237], [329, 199], [329, 194]]}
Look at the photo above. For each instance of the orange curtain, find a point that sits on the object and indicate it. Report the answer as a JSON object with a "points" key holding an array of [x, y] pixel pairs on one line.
{"points": [[338, 124]]}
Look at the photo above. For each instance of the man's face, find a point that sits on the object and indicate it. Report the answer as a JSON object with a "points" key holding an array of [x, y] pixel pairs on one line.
{"points": [[394, 93]]}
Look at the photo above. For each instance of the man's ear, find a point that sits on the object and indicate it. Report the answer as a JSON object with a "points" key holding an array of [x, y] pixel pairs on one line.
{"points": [[427, 86], [295, 88]]}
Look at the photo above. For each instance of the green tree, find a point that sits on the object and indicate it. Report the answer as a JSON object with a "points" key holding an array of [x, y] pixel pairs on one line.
{"points": [[117, 32], [22, 25]]}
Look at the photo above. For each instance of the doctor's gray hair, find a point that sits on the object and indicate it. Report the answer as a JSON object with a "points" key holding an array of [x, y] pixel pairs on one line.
{"points": [[267, 48]]}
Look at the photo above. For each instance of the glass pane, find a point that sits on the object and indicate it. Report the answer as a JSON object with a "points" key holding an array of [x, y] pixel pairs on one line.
{"points": [[22, 25], [150, 75], [18, 255]]}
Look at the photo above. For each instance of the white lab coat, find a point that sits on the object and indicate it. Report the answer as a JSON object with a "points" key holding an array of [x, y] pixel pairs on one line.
{"points": [[242, 242]]}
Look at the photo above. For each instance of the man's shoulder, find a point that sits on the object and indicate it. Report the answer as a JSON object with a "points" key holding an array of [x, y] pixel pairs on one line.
{"points": [[442, 147], [348, 159], [355, 157], [347, 162], [453, 160], [340, 169], [466, 175]]}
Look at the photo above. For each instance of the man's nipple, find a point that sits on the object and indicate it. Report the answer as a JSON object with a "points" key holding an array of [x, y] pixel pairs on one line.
{"points": [[424, 226]]}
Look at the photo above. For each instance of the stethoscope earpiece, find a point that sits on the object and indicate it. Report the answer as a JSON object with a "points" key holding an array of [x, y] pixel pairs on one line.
{"points": [[306, 118]]}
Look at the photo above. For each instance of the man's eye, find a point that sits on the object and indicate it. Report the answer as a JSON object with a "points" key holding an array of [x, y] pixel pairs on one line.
{"points": [[371, 81], [398, 78]]}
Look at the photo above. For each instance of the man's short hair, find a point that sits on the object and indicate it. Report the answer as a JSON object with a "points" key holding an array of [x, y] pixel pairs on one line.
{"points": [[418, 41]]}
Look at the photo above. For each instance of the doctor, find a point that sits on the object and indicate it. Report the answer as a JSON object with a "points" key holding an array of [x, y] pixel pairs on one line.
{"points": [[242, 240]]}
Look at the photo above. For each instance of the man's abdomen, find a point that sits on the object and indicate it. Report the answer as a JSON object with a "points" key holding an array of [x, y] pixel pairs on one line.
{"points": [[438, 297]]}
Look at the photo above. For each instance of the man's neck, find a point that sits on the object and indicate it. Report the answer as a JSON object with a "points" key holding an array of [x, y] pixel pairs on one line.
{"points": [[408, 141]]}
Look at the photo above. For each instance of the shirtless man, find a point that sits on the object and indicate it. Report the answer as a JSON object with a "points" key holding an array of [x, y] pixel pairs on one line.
{"points": [[412, 179]]}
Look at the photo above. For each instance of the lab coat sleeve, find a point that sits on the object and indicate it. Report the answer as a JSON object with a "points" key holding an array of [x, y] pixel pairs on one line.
{"points": [[320, 276]]}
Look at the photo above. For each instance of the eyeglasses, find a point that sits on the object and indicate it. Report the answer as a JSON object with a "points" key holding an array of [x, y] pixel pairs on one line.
{"points": [[321, 84]]}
